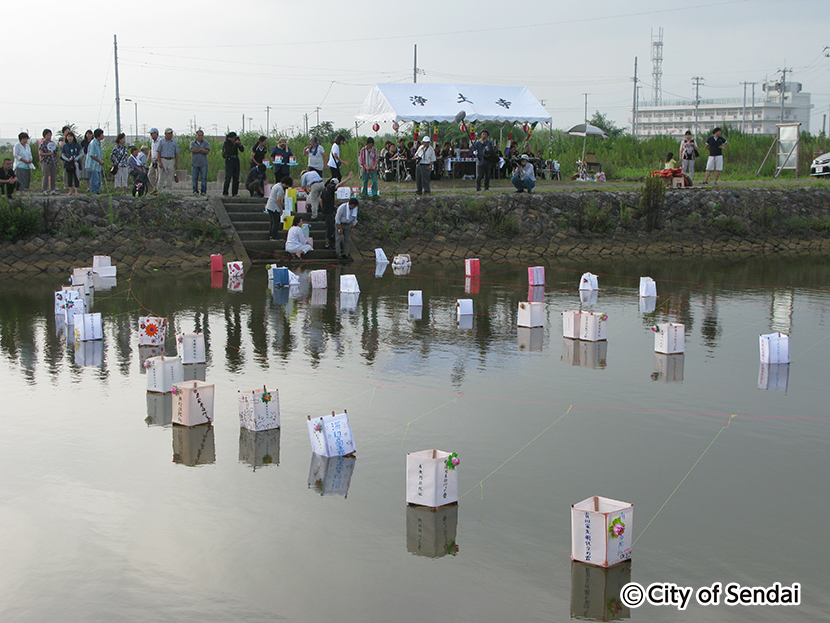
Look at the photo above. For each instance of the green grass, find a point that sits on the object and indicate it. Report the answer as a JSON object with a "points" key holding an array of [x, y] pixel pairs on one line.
{"points": [[18, 220]]}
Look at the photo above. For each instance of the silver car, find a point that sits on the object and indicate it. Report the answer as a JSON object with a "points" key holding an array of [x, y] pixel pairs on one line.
{"points": [[821, 165]]}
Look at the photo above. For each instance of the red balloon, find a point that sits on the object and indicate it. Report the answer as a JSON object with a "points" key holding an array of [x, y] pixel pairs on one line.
{"points": [[395, 126], [376, 127], [525, 127]]}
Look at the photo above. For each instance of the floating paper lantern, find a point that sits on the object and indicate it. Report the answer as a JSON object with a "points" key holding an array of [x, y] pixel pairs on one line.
{"points": [[536, 275], [601, 531], [216, 264], [588, 281], [259, 409], [775, 348], [472, 267], [348, 284], [331, 435], [191, 347], [531, 314], [648, 287], [431, 478], [669, 338], [192, 403], [319, 279], [593, 326], [380, 256], [235, 269], [151, 330], [162, 373], [416, 298]]}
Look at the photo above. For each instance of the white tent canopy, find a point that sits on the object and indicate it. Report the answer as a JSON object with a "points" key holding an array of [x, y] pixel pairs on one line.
{"points": [[404, 102]]}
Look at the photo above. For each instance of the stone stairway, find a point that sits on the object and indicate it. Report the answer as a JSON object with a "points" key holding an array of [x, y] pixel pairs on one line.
{"points": [[251, 223]]}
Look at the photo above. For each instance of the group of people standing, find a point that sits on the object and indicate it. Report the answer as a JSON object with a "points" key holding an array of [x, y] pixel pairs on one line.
{"points": [[80, 160], [689, 153]]}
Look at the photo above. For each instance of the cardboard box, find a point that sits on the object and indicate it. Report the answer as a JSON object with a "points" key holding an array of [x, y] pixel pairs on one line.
{"points": [[601, 531]]}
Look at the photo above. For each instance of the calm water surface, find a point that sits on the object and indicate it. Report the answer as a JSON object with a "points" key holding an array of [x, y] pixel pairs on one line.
{"points": [[109, 513]]}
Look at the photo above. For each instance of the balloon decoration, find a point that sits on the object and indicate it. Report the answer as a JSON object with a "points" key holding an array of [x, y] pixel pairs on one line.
{"points": [[530, 132], [395, 126], [376, 127]]}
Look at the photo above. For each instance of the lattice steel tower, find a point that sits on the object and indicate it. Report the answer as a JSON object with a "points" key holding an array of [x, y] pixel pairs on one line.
{"points": [[657, 66]]}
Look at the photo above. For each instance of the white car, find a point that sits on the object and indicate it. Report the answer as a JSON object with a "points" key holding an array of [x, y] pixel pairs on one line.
{"points": [[821, 165]]}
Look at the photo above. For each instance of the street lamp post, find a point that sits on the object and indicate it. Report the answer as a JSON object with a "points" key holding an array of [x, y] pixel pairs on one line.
{"points": [[136, 116]]}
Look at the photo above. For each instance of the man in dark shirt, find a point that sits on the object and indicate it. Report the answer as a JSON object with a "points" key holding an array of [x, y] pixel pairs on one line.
{"points": [[8, 180], [484, 152], [328, 208], [715, 145], [255, 183], [230, 152]]}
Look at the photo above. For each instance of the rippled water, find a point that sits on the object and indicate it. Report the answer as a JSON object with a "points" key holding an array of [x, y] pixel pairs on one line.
{"points": [[109, 513]]}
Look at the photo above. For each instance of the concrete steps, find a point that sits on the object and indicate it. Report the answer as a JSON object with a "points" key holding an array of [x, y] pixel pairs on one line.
{"points": [[251, 223]]}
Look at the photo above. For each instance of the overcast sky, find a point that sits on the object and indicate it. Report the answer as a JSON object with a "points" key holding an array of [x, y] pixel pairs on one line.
{"points": [[215, 61]]}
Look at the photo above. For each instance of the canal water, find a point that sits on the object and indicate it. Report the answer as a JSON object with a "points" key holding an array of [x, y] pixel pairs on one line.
{"points": [[107, 512]]}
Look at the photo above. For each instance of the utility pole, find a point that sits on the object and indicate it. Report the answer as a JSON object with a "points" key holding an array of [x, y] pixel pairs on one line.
{"points": [[743, 109], [267, 119], [586, 106], [136, 116], [697, 81], [634, 105], [305, 116], [317, 110], [783, 88], [117, 98], [753, 108], [415, 66], [243, 123]]}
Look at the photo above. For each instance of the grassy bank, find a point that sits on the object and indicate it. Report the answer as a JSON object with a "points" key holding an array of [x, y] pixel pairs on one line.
{"points": [[623, 158]]}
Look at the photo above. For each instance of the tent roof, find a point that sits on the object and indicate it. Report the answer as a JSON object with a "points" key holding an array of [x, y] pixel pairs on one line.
{"points": [[442, 102]]}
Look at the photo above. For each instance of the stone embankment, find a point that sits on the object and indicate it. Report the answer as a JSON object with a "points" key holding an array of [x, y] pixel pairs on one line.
{"points": [[705, 221], [168, 231], [151, 232]]}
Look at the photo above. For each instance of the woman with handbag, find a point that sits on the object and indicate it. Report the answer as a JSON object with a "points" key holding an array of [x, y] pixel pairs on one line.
{"points": [[71, 154], [688, 153]]}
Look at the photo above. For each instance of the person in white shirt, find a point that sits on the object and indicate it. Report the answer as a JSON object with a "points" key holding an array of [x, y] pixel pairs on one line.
{"points": [[276, 204], [345, 220], [425, 157], [312, 183], [155, 172], [23, 165], [295, 243], [335, 161]]}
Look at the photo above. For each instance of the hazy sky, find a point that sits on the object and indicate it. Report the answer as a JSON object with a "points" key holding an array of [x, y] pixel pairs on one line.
{"points": [[216, 61]]}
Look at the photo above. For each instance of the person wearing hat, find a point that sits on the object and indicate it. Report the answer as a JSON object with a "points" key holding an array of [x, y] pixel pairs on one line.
{"points": [[280, 157], [154, 154], [168, 160], [425, 158], [524, 178]]}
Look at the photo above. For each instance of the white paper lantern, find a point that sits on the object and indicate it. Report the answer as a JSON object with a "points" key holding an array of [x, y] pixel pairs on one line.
{"points": [[588, 281], [162, 373], [348, 284], [775, 348], [593, 326], [193, 403], [669, 338], [431, 478], [601, 531], [531, 314], [415, 298], [191, 347], [88, 327], [259, 409], [647, 287], [331, 435], [151, 330]]}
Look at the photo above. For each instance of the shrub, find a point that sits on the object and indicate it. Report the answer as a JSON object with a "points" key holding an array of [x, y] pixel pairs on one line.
{"points": [[17, 220], [597, 219], [651, 203], [765, 216], [730, 224]]}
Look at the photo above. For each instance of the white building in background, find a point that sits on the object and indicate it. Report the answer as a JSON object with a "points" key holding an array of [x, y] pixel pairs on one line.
{"points": [[674, 118]]}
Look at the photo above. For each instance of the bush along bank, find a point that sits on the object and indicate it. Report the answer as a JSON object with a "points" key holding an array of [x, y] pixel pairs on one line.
{"points": [[547, 225], [57, 234]]}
